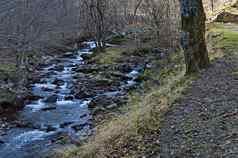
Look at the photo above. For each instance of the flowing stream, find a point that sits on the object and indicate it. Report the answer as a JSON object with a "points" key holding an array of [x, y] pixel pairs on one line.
{"points": [[55, 115]]}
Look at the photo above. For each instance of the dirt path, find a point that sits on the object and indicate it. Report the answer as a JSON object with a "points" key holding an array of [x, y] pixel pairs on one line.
{"points": [[204, 123]]}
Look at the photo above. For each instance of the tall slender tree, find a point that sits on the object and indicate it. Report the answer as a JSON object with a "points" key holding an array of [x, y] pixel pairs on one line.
{"points": [[193, 35]]}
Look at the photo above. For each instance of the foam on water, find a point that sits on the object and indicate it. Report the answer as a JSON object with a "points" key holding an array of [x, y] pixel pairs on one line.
{"points": [[46, 85], [64, 86], [131, 83], [65, 102], [133, 73], [85, 103], [27, 138], [91, 44]]}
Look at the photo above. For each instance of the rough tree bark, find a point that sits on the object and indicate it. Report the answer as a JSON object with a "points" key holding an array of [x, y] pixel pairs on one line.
{"points": [[193, 35]]}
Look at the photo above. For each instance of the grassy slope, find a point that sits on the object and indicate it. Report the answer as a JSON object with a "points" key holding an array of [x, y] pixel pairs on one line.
{"points": [[131, 134]]}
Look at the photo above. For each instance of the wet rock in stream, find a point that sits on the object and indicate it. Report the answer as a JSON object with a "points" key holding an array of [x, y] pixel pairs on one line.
{"points": [[58, 68], [58, 82], [70, 97], [51, 99], [49, 108], [1, 142]]}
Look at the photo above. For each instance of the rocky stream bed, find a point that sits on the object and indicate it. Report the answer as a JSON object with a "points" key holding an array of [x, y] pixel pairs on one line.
{"points": [[69, 95]]}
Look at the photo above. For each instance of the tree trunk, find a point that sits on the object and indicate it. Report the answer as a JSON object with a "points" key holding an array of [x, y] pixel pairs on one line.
{"points": [[193, 35]]}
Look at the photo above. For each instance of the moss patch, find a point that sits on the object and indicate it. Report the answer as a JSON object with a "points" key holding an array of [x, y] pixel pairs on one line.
{"points": [[7, 71], [7, 96], [110, 56], [7, 67]]}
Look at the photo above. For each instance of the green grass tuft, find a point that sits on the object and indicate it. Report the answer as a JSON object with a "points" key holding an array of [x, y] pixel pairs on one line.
{"points": [[7, 67]]}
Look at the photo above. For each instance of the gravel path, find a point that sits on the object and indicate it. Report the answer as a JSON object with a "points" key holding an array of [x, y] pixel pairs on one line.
{"points": [[204, 122]]}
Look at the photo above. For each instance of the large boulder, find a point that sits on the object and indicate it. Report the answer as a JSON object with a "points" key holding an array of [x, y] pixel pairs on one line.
{"points": [[59, 82]]}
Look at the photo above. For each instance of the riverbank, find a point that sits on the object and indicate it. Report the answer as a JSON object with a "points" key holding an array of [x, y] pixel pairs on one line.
{"points": [[13, 93], [136, 131], [71, 96], [121, 124]]}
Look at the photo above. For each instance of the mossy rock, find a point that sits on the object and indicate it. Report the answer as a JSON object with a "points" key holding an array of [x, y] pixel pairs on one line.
{"points": [[9, 101]]}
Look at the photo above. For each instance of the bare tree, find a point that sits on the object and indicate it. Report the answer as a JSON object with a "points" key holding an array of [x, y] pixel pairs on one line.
{"points": [[193, 36]]}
